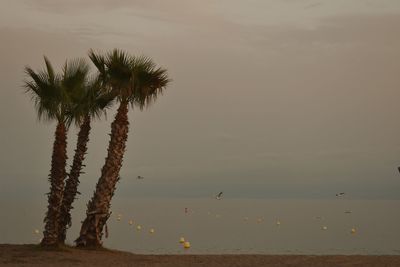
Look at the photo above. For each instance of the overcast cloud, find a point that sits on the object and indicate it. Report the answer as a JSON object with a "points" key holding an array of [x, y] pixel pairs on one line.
{"points": [[269, 98]]}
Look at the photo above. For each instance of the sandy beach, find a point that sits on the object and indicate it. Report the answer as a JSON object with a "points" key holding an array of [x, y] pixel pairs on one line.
{"points": [[33, 255]]}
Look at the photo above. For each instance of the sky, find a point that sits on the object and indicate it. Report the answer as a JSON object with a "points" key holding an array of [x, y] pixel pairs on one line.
{"points": [[269, 99]]}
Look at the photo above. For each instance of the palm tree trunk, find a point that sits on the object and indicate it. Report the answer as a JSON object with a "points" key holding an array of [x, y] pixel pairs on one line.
{"points": [[98, 207], [56, 178], [71, 185]]}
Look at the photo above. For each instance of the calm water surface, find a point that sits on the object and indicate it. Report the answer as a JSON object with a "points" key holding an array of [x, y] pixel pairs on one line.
{"points": [[231, 225]]}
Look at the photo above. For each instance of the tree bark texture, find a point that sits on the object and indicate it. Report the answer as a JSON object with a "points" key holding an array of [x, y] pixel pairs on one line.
{"points": [[72, 183], [98, 207], [56, 179]]}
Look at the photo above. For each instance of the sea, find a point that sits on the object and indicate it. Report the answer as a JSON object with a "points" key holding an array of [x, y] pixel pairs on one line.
{"points": [[226, 226]]}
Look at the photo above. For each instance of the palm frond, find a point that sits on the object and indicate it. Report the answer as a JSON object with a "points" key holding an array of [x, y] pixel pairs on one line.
{"points": [[44, 89], [149, 81], [128, 78], [91, 100], [99, 62], [50, 70], [75, 73]]}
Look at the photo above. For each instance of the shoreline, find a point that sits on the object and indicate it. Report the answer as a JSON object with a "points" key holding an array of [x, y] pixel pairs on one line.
{"points": [[34, 255]]}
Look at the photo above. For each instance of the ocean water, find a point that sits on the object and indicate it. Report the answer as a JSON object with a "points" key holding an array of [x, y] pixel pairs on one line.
{"points": [[262, 226]]}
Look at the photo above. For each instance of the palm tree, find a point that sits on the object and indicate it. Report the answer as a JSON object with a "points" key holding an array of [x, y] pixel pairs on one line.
{"points": [[51, 103], [135, 81], [87, 102], [55, 99]]}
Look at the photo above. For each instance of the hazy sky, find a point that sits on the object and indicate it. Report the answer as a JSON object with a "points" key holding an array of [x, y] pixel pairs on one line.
{"points": [[284, 98]]}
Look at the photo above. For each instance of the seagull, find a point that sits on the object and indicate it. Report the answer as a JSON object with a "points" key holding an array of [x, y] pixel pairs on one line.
{"points": [[140, 177], [219, 196], [340, 194]]}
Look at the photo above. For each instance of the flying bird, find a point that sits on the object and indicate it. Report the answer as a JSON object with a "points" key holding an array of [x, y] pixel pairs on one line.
{"points": [[340, 194], [219, 196]]}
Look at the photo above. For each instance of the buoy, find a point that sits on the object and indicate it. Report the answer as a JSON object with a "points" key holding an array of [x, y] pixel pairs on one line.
{"points": [[130, 222], [353, 230], [324, 227], [278, 223], [36, 231], [138, 227], [181, 240], [151, 231], [186, 244]]}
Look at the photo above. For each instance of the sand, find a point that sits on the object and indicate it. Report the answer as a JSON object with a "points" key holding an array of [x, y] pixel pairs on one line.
{"points": [[33, 255]]}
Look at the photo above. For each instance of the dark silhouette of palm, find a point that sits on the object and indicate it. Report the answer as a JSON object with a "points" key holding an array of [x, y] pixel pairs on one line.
{"points": [[134, 81], [51, 102], [88, 102]]}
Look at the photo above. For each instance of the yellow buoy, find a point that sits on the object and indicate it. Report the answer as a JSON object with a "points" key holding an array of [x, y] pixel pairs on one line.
{"points": [[186, 244], [130, 222], [181, 240], [138, 227], [151, 231], [353, 230], [36, 231]]}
